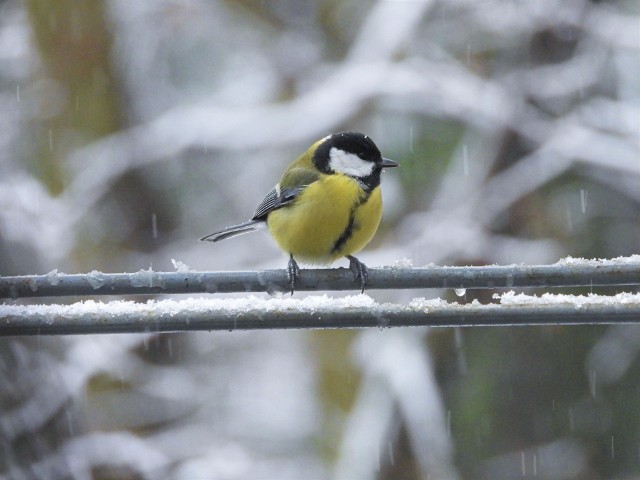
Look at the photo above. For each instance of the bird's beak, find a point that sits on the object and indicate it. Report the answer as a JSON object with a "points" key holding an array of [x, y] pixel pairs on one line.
{"points": [[386, 163]]}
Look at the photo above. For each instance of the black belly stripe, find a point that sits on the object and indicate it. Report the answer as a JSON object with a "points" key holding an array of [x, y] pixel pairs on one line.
{"points": [[348, 231], [346, 234]]}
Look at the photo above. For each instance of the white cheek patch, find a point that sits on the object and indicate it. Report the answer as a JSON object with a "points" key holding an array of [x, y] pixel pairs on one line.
{"points": [[349, 163]]}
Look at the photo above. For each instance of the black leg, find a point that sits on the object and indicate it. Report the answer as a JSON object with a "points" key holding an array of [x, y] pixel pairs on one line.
{"points": [[359, 270], [293, 271]]}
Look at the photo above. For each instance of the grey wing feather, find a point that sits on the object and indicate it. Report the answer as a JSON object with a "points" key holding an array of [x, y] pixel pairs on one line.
{"points": [[275, 200], [232, 231]]}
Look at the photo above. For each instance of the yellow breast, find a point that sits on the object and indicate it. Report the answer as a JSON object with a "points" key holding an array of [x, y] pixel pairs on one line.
{"points": [[331, 218]]}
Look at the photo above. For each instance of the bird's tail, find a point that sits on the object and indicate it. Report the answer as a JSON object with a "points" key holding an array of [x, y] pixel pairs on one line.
{"points": [[233, 230]]}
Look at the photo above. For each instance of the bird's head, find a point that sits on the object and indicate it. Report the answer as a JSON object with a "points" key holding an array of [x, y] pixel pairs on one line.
{"points": [[352, 154]]}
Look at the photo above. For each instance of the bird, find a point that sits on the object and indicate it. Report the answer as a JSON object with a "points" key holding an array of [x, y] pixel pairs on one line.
{"points": [[327, 205]]}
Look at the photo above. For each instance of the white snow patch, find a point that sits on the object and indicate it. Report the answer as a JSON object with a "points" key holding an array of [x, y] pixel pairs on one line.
{"points": [[598, 262], [180, 267], [142, 278], [403, 263], [146, 278], [52, 277], [512, 299], [311, 304], [194, 305], [516, 300], [430, 304], [96, 279]]}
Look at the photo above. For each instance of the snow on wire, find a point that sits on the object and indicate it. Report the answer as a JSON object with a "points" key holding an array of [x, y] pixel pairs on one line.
{"points": [[254, 313], [568, 272], [210, 313]]}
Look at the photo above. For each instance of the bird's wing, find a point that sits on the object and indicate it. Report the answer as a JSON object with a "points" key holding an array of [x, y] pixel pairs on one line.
{"points": [[294, 181]]}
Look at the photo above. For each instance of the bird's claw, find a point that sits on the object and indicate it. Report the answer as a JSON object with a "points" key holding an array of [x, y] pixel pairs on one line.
{"points": [[359, 270], [293, 272]]}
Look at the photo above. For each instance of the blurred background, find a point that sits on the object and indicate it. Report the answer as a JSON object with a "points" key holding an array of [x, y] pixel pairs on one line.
{"points": [[130, 129]]}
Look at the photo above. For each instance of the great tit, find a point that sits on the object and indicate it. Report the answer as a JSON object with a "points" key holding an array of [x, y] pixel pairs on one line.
{"points": [[327, 205]]}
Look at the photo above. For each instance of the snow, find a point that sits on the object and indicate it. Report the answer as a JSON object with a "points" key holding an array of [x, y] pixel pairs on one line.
{"points": [[96, 279], [429, 304], [142, 278], [598, 262], [512, 299], [403, 263], [52, 277], [578, 301], [277, 310], [180, 267], [145, 278], [172, 307], [309, 304]]}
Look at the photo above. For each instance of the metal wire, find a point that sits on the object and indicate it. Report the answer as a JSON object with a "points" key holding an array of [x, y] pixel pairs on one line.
{"points": [[55, 322], [148, 282], [57, 319]]}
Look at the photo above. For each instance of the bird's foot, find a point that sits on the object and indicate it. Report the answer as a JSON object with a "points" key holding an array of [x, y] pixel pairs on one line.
{"points": [[359, 270], [293, 272]]}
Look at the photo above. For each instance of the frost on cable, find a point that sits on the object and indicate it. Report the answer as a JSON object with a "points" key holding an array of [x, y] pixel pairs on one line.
{"points": [[53, 278], [96, 279], [146, 278], [548, 299], [203, 305], [180, 267], [597, 262]]}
